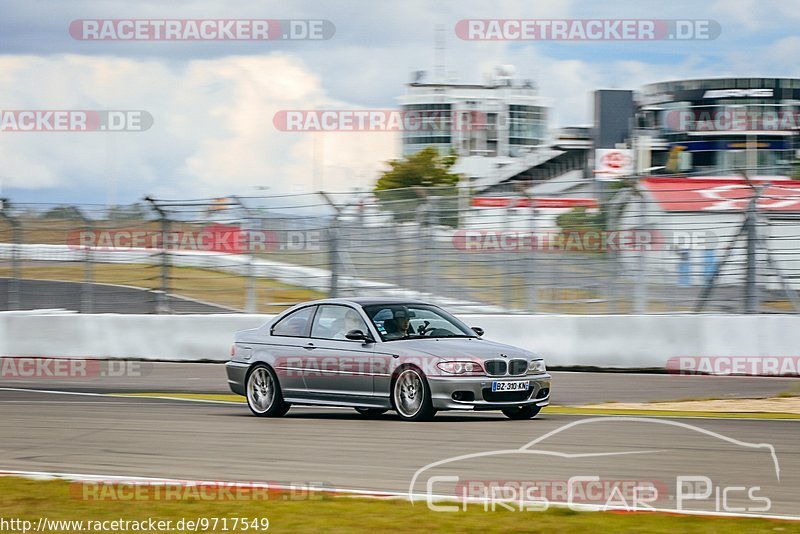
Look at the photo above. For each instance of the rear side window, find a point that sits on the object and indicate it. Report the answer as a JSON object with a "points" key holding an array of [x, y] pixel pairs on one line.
{"points": [[295, 324]]}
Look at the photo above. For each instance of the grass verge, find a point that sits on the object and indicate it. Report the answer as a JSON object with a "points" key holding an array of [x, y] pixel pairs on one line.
{"points": [[58, 500], [202, 284]]}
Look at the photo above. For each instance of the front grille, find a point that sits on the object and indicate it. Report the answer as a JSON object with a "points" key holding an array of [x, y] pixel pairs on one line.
{"points": [[517, 367], [495, 367], [505, 396]]}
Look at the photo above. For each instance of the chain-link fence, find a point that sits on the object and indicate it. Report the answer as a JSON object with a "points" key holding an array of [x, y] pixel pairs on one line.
{"points": [[652, 245]]}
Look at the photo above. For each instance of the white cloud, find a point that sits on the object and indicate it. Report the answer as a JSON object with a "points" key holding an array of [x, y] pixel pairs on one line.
{"points": [[212, 134], [213, 103]]}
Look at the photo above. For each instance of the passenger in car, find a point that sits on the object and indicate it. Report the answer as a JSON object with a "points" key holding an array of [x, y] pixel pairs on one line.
{"points": [[351, 321]]}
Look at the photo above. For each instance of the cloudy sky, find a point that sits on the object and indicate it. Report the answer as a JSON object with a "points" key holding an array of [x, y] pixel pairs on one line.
{"points": [[213, 102]]}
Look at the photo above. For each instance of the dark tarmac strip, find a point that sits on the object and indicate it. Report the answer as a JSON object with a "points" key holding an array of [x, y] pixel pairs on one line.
{"points": [[569, 388]]}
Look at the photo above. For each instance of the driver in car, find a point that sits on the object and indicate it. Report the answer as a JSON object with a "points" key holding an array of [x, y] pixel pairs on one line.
{"points": [[399, 326]]}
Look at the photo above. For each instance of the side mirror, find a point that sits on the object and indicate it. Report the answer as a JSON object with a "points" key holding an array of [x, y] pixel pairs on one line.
{"points": [[358, 335], [478, 330]]}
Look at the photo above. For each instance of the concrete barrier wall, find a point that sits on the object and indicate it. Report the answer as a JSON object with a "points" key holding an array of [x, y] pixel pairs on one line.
{"points": [[613, 341]]}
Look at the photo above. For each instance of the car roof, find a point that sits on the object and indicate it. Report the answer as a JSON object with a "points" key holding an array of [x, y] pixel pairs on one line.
{"points": [[367, 301]]}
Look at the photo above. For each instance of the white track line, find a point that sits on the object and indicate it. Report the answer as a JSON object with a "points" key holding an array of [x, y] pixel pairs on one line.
{"points": [[119, 479], [135, 396]]}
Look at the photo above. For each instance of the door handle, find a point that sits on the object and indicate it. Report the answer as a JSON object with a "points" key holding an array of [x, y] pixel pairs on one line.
{"points": [[310, 346]]}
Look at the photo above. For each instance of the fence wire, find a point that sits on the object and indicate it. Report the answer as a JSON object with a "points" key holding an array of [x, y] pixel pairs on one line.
{"points": [[629, 248]]}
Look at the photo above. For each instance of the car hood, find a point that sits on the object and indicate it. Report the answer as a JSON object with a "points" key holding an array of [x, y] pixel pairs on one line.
{"points": [[452, 349]]}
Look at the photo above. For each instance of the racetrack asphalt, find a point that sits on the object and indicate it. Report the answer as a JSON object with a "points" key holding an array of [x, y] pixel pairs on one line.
{"points": [[97, 434]]}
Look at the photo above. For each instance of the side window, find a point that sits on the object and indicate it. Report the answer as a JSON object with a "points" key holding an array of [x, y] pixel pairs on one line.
{"points": [[295, 324], [333, 322]]}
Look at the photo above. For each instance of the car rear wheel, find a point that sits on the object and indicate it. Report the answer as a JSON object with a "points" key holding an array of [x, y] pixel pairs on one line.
{"points": [[411, 396], [522, 412], [371, 412], [264, 395]]}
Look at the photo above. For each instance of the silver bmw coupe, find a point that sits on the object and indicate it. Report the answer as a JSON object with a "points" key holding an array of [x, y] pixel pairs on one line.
{"points": [[377, 355]]}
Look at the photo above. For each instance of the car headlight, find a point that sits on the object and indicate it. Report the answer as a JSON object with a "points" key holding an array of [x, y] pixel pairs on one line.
{"points": [[536, 367], [460, 368]]}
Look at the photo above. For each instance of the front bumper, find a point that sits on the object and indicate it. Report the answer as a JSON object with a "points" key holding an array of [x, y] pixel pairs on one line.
{"points": [[236, 371], [470, 392]]}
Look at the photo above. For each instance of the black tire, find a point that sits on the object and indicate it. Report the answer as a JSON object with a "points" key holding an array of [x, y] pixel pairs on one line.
{"points": [[263, 392], [522, 412], [411, 395], [371, 412]]}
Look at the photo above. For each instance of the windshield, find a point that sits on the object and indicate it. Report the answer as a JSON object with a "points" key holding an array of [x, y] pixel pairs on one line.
{"points": [[415, 321]]}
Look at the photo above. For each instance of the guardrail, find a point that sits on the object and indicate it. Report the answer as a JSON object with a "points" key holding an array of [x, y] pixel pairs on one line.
{"points": [[611, 341]]}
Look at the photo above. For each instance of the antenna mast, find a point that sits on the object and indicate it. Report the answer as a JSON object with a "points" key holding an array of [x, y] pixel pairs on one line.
{"points": [[439, 55]]}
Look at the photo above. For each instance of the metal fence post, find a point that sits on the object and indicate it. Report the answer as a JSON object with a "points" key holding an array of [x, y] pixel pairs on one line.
{"points": [[14, 289], [750, 289], [250, 288], [163, 306], [333, 256], [434, 220], [162, 300], [530, 264], [507, 264], [87, 288], [15, 283], [422, 239], [333, 247], [640, 290]]}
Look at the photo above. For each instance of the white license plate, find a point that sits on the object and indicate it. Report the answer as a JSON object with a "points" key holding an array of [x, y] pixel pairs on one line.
{"points": [[511, 385]]}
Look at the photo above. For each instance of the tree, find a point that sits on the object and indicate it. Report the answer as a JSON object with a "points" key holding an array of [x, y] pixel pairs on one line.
{"points": [[64, 212], [136, 211], [424, 173], [580, 220]]}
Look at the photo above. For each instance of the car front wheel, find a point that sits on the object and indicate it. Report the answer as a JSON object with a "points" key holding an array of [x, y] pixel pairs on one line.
{"points": [[264, 395], [411, 396], [522, 412]]}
